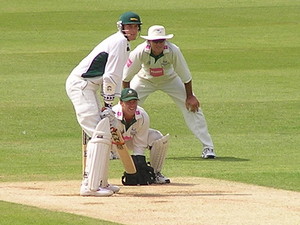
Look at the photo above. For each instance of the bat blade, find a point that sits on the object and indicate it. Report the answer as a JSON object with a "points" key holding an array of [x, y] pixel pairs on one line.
{"points": [[85, 139], [123, 152]]}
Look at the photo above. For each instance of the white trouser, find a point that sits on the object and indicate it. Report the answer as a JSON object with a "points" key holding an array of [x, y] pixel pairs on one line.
{"points": [[176, 90], [85, 98]]}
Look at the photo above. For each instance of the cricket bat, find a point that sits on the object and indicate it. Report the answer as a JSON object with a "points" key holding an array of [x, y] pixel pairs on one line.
{"points": [[85, 139], [123, 151]]}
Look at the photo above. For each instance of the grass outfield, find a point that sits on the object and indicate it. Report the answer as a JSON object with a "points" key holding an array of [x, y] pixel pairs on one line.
{"points": [[244, 57]]}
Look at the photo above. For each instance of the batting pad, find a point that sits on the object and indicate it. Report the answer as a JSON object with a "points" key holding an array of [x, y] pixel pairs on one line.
{"points": [[158, 153], [98, 150]]}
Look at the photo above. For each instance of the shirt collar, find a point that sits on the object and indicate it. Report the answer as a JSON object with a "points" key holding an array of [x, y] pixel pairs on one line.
{"points": [[119, 114], [148, 48]]}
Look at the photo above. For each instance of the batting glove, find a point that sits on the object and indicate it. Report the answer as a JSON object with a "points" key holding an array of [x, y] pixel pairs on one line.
{"points": [[110, 114]]}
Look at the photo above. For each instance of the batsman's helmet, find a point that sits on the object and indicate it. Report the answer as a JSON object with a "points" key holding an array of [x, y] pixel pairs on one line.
{"points": [[129, 18]]}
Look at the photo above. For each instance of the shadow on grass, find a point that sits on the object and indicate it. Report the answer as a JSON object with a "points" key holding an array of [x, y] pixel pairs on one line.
{"points": [[224, 159]]}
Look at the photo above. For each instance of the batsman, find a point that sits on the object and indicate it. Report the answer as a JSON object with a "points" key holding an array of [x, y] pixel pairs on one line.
{"points": [[100, 72]]}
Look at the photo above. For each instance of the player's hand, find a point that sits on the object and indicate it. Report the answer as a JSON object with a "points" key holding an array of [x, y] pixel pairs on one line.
{"points": [[192, 104], [107, 112]]}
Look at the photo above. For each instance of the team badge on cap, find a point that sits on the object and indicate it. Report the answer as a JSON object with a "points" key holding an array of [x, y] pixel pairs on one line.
{"points": [[128, 94]]}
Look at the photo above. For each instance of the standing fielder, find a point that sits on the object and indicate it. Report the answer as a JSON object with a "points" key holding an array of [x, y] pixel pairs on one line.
{"points": [[158, 64], [101, 70]]}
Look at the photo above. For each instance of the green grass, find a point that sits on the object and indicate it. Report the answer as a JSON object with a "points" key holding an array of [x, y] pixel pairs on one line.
{"points": [[31, 215], [244, 57]]}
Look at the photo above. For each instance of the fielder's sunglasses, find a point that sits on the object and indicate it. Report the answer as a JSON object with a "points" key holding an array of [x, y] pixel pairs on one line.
{"points": [[159, 41]]}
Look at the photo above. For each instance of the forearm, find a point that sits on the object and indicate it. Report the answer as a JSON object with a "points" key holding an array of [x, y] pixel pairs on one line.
{"points": [[192, 103], [109, 91], [126, 84], [188, 89]]}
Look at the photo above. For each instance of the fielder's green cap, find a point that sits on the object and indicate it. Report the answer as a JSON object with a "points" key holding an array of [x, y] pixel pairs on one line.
{"points": [[130, 18], [128, 94]]}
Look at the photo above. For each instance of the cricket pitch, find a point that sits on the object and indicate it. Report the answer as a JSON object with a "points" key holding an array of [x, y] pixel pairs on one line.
{"points": [[184, 201]]}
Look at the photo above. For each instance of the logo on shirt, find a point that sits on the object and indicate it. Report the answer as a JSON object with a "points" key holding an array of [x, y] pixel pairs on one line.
{"points": [[156, 72], [129, 62], [164, 63], [127, 138], [133, 132]]}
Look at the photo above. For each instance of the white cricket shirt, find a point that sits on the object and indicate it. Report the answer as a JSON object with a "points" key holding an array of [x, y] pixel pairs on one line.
{"points": [[171, 64], [137, 133], [105, 62]]}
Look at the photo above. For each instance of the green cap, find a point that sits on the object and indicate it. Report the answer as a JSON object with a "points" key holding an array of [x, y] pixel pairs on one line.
{"points": [[130, 18], [128, 94]]}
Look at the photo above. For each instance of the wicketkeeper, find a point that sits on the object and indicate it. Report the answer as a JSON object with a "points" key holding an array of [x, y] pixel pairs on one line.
{"points": [[133, 122]]}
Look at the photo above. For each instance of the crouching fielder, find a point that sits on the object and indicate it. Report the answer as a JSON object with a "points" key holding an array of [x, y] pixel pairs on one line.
{"points": [[133, 122]]}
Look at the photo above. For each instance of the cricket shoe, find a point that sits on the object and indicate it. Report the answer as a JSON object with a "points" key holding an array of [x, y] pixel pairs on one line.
{"points": [[208, 153], [113, 188], [101, 192], [161, 179]]}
